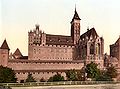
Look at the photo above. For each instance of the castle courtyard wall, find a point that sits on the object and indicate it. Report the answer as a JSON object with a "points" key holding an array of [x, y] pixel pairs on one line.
{"points": [[51, 52], [42, 69]]}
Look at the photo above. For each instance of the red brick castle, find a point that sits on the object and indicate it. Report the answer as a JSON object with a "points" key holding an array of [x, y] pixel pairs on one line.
{"points": [[49, 54]]}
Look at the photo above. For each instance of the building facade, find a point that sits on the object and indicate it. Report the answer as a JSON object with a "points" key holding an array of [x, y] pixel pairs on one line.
{"points": [[115, 49], [49, 54]]}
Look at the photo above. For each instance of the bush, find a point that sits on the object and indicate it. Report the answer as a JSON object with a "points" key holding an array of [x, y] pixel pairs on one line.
{"points": [[92, 70], [104, 78], [30, 78], [56, 77], [71, 75], [7, 75]]}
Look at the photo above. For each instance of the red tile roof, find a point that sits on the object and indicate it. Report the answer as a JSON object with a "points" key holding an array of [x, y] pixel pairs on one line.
{"points": [[59, 40]]}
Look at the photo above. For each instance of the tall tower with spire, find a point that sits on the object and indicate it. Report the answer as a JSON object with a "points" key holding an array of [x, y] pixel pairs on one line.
{"points": [[75, 27]]}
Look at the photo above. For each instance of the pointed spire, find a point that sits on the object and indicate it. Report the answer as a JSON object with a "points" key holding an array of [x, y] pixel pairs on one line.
{"points": [[5, 45], [75, 7], [76, 16]]}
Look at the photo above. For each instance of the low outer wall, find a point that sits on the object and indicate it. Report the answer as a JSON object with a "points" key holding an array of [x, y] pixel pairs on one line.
{"points": [[42, 69], [100, 86]]}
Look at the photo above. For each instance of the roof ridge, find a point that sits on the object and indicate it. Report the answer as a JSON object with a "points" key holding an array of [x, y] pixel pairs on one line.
{"points": [[17, 52], [90, 32]]}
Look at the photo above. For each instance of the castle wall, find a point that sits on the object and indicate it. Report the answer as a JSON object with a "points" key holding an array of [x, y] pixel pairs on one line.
{"points": [[41, 69], [52, 52], [38, 75], [31, 65]]}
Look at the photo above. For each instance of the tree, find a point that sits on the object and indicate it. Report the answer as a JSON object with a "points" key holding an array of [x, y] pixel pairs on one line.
{"points": [[7, 75], [92, 70], [50, 79], [103, 77], [111, 72], [75, 75], [30, 78], [71, 75], [56, 77], [107, 74], [80, 75]]}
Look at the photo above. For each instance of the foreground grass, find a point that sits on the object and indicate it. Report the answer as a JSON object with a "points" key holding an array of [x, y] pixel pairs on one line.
{"points": [[30, 84]]}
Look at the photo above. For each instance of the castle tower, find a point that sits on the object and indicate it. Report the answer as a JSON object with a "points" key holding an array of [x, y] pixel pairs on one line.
{"points": [[75, 27], [34, 38], [4, 53]]}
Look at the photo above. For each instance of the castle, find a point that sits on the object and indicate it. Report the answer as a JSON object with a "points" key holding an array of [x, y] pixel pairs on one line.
{"points": [[50, 54]]}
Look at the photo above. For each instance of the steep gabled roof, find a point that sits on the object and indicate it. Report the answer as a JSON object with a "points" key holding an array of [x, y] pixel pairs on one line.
{"points": [[117, 40], [92, 32], [17, 53], [5, 45]]}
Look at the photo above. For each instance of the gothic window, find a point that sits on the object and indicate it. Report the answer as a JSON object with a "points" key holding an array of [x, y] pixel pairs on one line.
{"points": [[98, 49], [91, 49]]}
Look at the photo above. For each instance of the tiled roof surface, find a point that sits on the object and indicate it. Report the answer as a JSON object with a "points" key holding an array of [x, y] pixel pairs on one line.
{"points": [[59, 40]]}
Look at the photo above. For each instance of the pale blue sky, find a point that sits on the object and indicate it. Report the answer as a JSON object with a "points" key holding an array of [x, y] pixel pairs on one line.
{"points": [[17, 17]]}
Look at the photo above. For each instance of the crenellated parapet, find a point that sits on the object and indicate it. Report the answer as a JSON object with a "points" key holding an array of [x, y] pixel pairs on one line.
{"points": [[43, 69]]}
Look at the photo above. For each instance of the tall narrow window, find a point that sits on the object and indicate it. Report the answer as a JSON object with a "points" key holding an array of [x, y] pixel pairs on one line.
{"points": [[98, 49], [91, 49]]}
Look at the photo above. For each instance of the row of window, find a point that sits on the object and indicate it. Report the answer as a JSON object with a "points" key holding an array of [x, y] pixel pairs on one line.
{"points": [[53, 50], [50, 62], [52, 58], [36, 72], [53, 45]]}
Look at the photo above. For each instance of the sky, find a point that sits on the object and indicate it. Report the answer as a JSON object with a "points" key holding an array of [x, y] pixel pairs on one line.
{"points": [[17, 17]]}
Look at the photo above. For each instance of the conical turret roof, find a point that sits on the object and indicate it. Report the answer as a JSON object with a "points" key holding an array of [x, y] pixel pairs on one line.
{"points": [[76, 16], [5, 45]]}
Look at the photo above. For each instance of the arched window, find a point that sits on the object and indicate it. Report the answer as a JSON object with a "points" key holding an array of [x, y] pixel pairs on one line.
{"points": [[98, 49], [91, 49]]}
